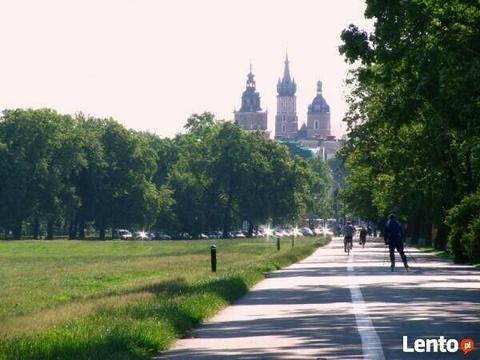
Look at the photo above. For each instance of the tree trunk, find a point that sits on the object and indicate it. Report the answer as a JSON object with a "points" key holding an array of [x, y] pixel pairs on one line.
{"points": [[17, 231], [415, 228], [228, 209], [427, 232], [251, 227], [469, 173], [441, 238], [36, 228], [113, 233], [72, 229], [81, 228], [102, 233], [50, 225], [101, 228]]}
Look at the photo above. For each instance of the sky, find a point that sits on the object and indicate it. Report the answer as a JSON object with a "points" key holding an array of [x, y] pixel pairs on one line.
{"points": [[150, 64]]}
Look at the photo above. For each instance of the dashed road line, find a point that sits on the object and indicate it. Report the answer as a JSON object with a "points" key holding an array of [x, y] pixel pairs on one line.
{"points": [[371, 344]]}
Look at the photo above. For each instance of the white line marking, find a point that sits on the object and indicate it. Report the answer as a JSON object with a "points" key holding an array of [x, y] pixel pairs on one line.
{"points": [[371, 344]]}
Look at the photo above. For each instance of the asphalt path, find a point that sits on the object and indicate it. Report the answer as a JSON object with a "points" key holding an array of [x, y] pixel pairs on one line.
{"points": [[334, 306]]}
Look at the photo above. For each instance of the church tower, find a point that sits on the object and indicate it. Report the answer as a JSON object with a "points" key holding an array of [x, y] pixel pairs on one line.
{"points": [[250, 116], [286, 120], [318, 116]]}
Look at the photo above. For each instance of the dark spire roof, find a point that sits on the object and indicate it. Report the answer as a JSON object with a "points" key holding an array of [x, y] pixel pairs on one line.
{"points": [[286, 86], [250, 97], [318, 105]]}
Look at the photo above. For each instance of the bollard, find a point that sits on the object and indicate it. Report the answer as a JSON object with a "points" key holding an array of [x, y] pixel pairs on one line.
{"points": [[213, 257], [293, 241], [278, 243]]}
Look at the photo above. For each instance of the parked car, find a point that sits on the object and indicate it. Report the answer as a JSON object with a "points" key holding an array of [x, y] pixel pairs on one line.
{"points": [[238, 234], [214, 234], [297, 232], [318, 231], [184, 236], [288, 232], [161, 236], [141, 235], [261, 234], [124, 234], [279, 232], [307, 231], [203, 236], [327, 231]]}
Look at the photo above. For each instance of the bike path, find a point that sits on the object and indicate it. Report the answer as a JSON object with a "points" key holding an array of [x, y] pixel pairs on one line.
{"points": [[334, 306]]}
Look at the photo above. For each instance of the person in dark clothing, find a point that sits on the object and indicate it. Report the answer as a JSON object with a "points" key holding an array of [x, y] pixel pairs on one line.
{"points": [[363, 236], [393, 236]]}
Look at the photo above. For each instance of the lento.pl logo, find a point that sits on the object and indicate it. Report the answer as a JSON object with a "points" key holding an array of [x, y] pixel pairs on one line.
{"points": [[439, 344]]}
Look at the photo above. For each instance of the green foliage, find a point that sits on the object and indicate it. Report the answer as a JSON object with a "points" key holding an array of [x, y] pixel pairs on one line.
{"points": [[320, 201], [464, 222], [413, 115], [296, 149], [71, 174]]}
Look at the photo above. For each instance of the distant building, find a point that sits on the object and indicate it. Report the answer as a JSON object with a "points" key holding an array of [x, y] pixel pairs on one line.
{"points": [[250, 116], [313, 136], [318, 117], [286, 120]]}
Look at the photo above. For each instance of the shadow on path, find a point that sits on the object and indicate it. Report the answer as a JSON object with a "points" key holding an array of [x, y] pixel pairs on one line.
{"points": [[305, 311]]}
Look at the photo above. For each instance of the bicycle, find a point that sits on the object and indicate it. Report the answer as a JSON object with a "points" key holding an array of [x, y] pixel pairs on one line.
{"points": [[347, 244]]}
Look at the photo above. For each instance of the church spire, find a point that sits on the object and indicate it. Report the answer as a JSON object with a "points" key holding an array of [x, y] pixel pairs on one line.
{"points": [[286, 86], [251, 79], [286, 70]]}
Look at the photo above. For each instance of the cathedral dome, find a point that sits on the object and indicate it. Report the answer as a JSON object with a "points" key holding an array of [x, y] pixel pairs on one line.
{"points": [[318, 105], [250, 97]]}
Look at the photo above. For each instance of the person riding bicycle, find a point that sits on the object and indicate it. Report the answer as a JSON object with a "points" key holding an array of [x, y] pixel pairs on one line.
{"points": [[348, 232], [393, 236], [363, 236]]}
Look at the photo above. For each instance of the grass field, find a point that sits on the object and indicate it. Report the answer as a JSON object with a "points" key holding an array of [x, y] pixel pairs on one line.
{"points": [[122, 300]]}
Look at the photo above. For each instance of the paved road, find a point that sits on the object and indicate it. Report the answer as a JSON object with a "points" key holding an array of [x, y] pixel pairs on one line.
{"points": [[314, 310]]}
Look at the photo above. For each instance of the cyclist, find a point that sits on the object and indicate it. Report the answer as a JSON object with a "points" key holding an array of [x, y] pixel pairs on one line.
{"points": [[348, 231], [363, 236]]}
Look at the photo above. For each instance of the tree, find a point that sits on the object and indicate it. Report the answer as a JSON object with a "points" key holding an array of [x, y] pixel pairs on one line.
{"points": [[413, 110]]}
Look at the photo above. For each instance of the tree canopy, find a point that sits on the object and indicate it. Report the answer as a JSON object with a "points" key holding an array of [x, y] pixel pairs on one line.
{"points": [[74, 174], [413, 116]]}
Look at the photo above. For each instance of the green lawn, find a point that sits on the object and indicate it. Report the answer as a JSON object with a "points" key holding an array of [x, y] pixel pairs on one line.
{"points": [[122, 300]]}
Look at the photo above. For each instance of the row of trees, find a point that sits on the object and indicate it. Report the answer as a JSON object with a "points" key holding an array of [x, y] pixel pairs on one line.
{"points": [[413, 122], [73, 172]]}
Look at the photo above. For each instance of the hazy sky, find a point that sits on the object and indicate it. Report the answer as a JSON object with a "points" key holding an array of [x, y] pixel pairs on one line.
{"points": [[152, 63]]}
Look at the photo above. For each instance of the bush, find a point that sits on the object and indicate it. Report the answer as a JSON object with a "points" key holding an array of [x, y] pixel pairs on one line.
{"points": [[464, 222]]}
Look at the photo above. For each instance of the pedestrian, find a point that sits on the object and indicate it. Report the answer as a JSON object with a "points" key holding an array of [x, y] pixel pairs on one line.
{"points": [[394, 236]]}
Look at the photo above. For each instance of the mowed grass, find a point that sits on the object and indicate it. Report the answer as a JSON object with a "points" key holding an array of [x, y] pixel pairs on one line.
{"points": [[122, 300]]}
